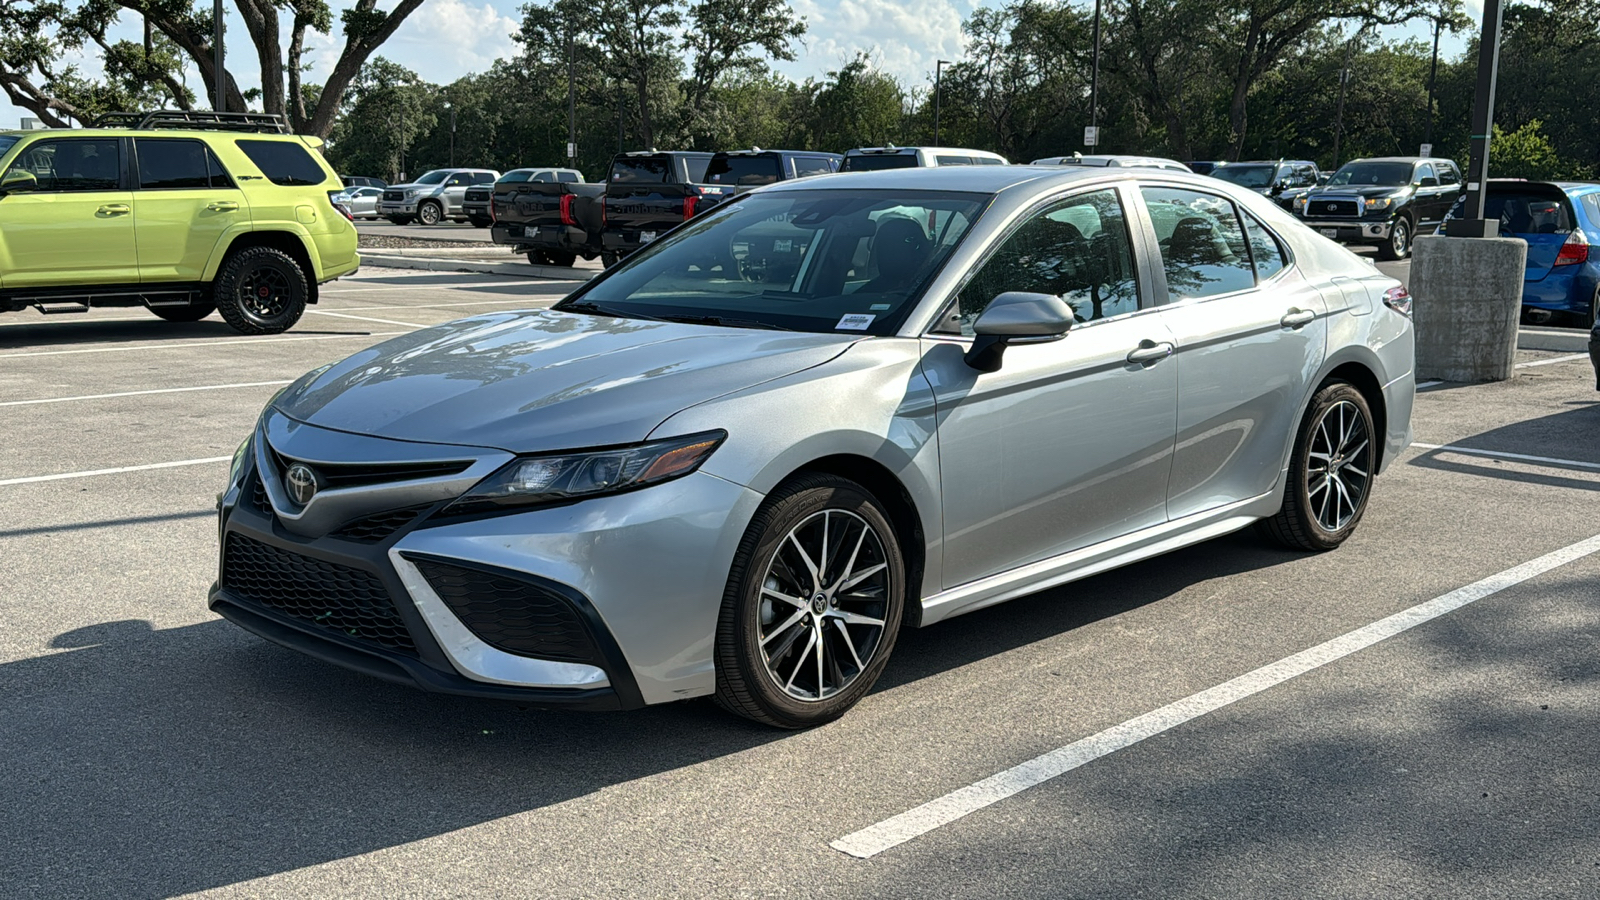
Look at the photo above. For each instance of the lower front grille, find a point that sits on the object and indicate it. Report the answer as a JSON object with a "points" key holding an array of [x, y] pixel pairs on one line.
{"points": [[339, 598], [512, 615], [376, 527]]}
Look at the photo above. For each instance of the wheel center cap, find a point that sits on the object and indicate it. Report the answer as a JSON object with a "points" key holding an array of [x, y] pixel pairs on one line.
{"points": [[819, 603]]}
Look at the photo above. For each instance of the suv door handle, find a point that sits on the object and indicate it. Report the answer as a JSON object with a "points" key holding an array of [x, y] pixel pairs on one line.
{"points": [[1297, 318], [1148, 353], [114, 209], [222, 206]]}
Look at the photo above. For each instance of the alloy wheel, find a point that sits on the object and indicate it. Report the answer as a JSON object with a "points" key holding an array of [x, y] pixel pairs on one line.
{"points": [[1400, 239], [1339, 465], [824, 598], [264, 292]]}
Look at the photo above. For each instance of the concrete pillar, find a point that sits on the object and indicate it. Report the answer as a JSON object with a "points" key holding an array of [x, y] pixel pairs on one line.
{"points": [[1466, 300]]}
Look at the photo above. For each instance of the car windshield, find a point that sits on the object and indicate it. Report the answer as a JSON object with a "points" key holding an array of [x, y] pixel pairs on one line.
{"points": [[1246, 176], [639, 171], [877, 161], [434, 177], [1357, 174], [819, 261], [516, 177], [744, 170]]}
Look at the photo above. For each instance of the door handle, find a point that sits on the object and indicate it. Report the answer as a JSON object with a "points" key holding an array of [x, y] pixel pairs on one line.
{"points": [[223, 206], [1297, 318], [113, 209], [1148, 353]]}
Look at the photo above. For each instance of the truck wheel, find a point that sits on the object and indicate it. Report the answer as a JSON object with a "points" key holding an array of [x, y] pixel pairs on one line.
{"points": [[479, 222], [562, 258], [194, 312], [400, 220], [1398, 246], [429, 213], [261, 290], [538, 258], [609, 258]]}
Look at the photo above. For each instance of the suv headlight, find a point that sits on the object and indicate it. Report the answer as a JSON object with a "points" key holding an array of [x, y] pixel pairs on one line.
{"points": [[413, 193], [1300, 202], [1376, 204], [532, 480]]}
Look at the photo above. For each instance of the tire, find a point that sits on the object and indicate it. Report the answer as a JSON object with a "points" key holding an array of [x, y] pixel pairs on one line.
{"points": [[1321, 513], [562, 258], [261, 290], [765, 605], [400, 220], [480, 223], [1594, 309], [609, 258], [429, 213], [1398, 246], [539, 258], [194, 312]]}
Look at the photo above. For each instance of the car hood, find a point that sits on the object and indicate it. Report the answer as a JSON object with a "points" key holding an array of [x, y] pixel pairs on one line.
{"points": [[1361, 190], [411, 187], [541, 380]]}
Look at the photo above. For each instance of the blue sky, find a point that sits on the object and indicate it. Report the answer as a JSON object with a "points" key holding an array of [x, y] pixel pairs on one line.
{"points": [[446, 39]]}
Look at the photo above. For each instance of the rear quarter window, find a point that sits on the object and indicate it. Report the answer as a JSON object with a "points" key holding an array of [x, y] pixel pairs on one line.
{"points": [[284, 163], [639, 171]]}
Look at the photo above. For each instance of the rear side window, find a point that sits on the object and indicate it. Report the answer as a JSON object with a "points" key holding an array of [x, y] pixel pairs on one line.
{"points": [[1593, 202], [543, 177], [744, 170], [954, 160], [1264, 249], [1202, 247], [483, 178], [697, 168], [811, 165], [167, 164], [989, 161], [284, 163], [567, 177], [639, 171], [879, 161]]}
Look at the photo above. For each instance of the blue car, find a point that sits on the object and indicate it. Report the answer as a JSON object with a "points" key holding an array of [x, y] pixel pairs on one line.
{"points": [[1560, 221]]}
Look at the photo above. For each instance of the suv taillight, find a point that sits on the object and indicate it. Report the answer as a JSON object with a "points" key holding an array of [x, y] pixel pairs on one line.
{"points": [[689, 203], [1574, 251], [1398, 299], [566, 210]]}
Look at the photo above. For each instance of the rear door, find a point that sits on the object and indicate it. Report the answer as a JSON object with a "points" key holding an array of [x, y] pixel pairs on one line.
{"points": [[80, 202], [184, 205]]}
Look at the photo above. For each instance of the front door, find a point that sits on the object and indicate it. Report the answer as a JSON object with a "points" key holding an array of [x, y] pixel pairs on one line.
{"points": [[74, 226], [1251, 334], [183, 209], [1070, 442]]}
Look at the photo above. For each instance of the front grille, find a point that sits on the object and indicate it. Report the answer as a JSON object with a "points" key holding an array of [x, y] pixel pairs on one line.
{"points": [[344, 475], [512, 615], [338, 598], [376, 527], [1333, 208], [394, 196], [258, 494], [477, 196]]}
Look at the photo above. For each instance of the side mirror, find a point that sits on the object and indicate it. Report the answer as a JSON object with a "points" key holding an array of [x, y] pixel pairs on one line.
{"points": [[1017, 317], [1322, 178], [1428, 181], [17, 181]]}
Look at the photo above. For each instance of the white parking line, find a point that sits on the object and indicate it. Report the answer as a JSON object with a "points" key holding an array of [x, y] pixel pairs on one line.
{"points": [[1552, 361], [1575, 463], [32, 479], [323, 312], [181, 390], [892, 832], [179, 345], [531, 298]]}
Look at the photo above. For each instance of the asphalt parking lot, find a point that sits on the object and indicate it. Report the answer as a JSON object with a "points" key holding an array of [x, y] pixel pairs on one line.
{"points": [[151, 749]]}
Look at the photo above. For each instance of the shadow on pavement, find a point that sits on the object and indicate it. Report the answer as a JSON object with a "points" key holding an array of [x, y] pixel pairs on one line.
{"points": [[57, 333], [1564, 435]]}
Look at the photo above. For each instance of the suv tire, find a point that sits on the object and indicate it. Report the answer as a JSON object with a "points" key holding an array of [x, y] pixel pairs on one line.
{"points": [[777, 607], [399, 220], [1331, 472], [261, 290], [480, 222], [1398, 246], [194, 312], [429, 212]]}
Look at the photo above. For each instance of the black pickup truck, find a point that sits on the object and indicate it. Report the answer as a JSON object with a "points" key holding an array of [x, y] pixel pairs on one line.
{"points": [[648, 193], [554, 223]]}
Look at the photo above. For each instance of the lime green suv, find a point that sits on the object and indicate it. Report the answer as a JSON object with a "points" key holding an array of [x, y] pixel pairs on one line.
{"points": [[183, 213]]}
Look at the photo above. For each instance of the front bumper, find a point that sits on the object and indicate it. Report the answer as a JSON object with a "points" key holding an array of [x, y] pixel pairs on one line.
{"points": [[407, 208], [626, 588], [1350, 231]]}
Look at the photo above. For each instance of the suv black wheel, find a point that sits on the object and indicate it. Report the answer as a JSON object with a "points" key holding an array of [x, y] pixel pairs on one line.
{"points": [[400, 220], [1330, 475], [1398, 246], [813, 604], [480, 222], [261, 290], [429, 213], [194, 312], [609, 258]]}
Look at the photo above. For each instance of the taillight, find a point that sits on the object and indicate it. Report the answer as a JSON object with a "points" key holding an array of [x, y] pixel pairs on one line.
{"points": [[1574, 251], [566, 210], [689, 203], [1398, 299]]}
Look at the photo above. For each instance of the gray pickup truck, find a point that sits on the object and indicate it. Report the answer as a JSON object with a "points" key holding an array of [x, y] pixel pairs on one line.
{"points": [[434, 197]]}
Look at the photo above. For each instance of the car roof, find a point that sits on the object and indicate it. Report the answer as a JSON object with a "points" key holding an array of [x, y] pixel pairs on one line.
{"points": [[757, 151], [974, 179], [1400, 159], [863, 151], [1269, 162]]}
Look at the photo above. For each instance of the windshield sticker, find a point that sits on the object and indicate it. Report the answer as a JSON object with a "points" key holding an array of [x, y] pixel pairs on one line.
{"points": [[879, 307], [854, 322]]}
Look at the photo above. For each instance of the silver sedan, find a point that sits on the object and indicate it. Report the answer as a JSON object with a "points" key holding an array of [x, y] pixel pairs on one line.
{"points": [[361, 201], [739, 463]]}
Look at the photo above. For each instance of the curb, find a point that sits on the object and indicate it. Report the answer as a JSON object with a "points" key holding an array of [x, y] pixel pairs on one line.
{"points": [[509, 269]]}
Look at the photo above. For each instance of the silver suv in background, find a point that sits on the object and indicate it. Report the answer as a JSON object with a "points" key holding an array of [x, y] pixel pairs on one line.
{"points": [[872, 159], [434, 197]]}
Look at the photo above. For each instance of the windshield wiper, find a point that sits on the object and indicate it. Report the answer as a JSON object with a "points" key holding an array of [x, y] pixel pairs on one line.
{"points": [[725, 322], [595, 309]]}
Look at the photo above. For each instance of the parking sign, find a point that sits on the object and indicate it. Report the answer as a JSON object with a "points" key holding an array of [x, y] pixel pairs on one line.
{"points": [[1091, 135]]}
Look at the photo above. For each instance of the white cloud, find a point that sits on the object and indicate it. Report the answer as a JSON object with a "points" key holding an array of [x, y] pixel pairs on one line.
{"points": [[905, 37], [446, 39]]}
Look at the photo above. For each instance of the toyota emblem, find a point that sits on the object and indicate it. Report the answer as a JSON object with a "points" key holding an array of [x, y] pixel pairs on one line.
{"points": [[301, 483]]}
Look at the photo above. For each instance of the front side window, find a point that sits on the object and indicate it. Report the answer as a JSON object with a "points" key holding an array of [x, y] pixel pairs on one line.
{"points": [[459, 180], [517, 176], [284, 163], [1077, 249], [749, 171], [167, 164], [1425, 171], [1447, 174], [483, 178], [434, 177], [812, 165], [72, 164], [567, 177], [1246, 176], [819, 261], [1202, 246], [543, 178]]}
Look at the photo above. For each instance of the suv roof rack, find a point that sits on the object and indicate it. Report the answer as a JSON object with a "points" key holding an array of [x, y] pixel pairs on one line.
{"points": [[260, 123]]}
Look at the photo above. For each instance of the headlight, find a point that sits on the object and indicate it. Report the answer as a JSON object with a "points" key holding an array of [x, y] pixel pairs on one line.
{"points": [[237, 466], [532, 480], [1377, 203], [1300, 202], [410, 194]]}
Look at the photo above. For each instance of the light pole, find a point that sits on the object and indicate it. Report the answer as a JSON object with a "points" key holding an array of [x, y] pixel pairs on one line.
{"points": [[1472, 223], [1094, 82], [452, 111], [938, 72], [1433, 74], [572, 105], [216, 50]]}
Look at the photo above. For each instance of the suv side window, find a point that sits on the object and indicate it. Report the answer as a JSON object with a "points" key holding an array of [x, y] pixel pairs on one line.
{"points": [[284, 163], [73, 164], [954, 160], [811, 165], [1077, 249], [176, 164], [1202, 246], [542, 177], [1447, 173], [483, 178], [1305, 176], [567, 177], [1425, 171], [458, 180]]}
